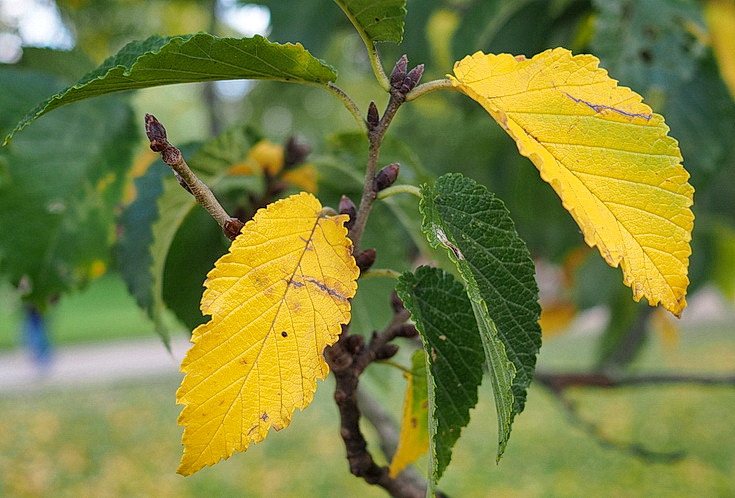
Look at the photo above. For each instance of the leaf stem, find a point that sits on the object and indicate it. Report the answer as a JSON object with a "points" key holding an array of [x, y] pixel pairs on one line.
{"points": [[380, 272], [394, 365], [399, 189], [370, 46], [377, 66], [430, 86], [349, 104]]}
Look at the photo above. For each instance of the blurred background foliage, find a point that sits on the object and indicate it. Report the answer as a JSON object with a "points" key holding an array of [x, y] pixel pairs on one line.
{"points": [[82, 196]]}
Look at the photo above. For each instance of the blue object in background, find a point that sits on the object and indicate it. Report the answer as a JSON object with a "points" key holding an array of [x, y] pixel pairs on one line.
{"points": [[36, 338]]}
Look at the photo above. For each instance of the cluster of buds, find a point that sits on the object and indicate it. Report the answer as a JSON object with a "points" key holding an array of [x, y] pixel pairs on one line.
{"points": [[402, 80]]}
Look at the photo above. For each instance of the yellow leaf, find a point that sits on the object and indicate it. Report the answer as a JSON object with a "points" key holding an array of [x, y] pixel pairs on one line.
{"points": [[720, 16], [414, 439], [263, 157], [303, 177], [268, 156], [605, 154], [556, 317], [276, 300]]}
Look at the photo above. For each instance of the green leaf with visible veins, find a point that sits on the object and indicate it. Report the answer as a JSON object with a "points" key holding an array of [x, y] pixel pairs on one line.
{"points": [[160, 61], [376, 20], [443, 314], [480, 237]]}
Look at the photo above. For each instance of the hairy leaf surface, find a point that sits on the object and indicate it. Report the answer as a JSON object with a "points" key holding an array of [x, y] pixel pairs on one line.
{"points": [[414, 439], [476, 230], [161, 60], [444, 318], [277, 299], [606, 155], [376, 20]]}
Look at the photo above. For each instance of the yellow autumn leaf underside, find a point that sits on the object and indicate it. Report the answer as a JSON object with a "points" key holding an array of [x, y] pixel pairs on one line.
{"points": [[606, 155], [720, 15], [276, 300], [414, 439]]}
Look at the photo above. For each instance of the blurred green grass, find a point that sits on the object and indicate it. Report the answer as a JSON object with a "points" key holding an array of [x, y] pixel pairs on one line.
{"points": [[122, 439]]}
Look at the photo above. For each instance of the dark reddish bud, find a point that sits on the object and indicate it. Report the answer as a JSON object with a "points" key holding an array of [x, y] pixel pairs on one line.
{"points": [[386, 176], [355, 343], [294, 153], [346, 206], [156, 133], [396, 303], [407, 330], [399, 72], [365, 259], [373, 116], [232, 228], [387, 351], [412, 79]]}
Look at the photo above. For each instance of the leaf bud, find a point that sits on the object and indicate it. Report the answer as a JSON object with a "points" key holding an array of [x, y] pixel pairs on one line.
{"points": [[399, 72], [355, 343], [346, 206], [407, 330], [373, 116], [365, 259], [386, 176], [412, 79], [395, 302], [386, 351], [156, 133], [294, 153]]}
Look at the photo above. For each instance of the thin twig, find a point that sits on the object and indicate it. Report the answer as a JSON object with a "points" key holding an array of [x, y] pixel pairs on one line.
{"points": [[375, 138], [560, 381], [172, 157]]}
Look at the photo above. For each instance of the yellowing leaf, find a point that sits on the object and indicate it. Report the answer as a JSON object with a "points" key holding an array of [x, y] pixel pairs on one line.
{"points": [[720, 16], [303, 177], [276, 300], [605, 154], [414, 439], [263, 157]]}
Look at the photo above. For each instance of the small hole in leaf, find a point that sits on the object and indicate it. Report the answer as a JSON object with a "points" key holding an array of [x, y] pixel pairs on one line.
{"points": [[284, 334]]}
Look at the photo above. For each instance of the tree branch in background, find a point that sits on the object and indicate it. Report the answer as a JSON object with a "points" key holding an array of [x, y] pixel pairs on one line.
{"points": [[558, 383], [187, 179]]}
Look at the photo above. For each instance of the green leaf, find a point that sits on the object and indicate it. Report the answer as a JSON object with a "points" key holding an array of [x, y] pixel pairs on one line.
{"points": [[62, 184], [480, 237], [376, 20], [444, 318], [160, 61], [133, 245]]}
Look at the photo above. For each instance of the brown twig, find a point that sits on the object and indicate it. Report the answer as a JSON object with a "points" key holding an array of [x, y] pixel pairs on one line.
{"points": [[347, 359], [172, 157], [402, 82], [558, 383]]}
